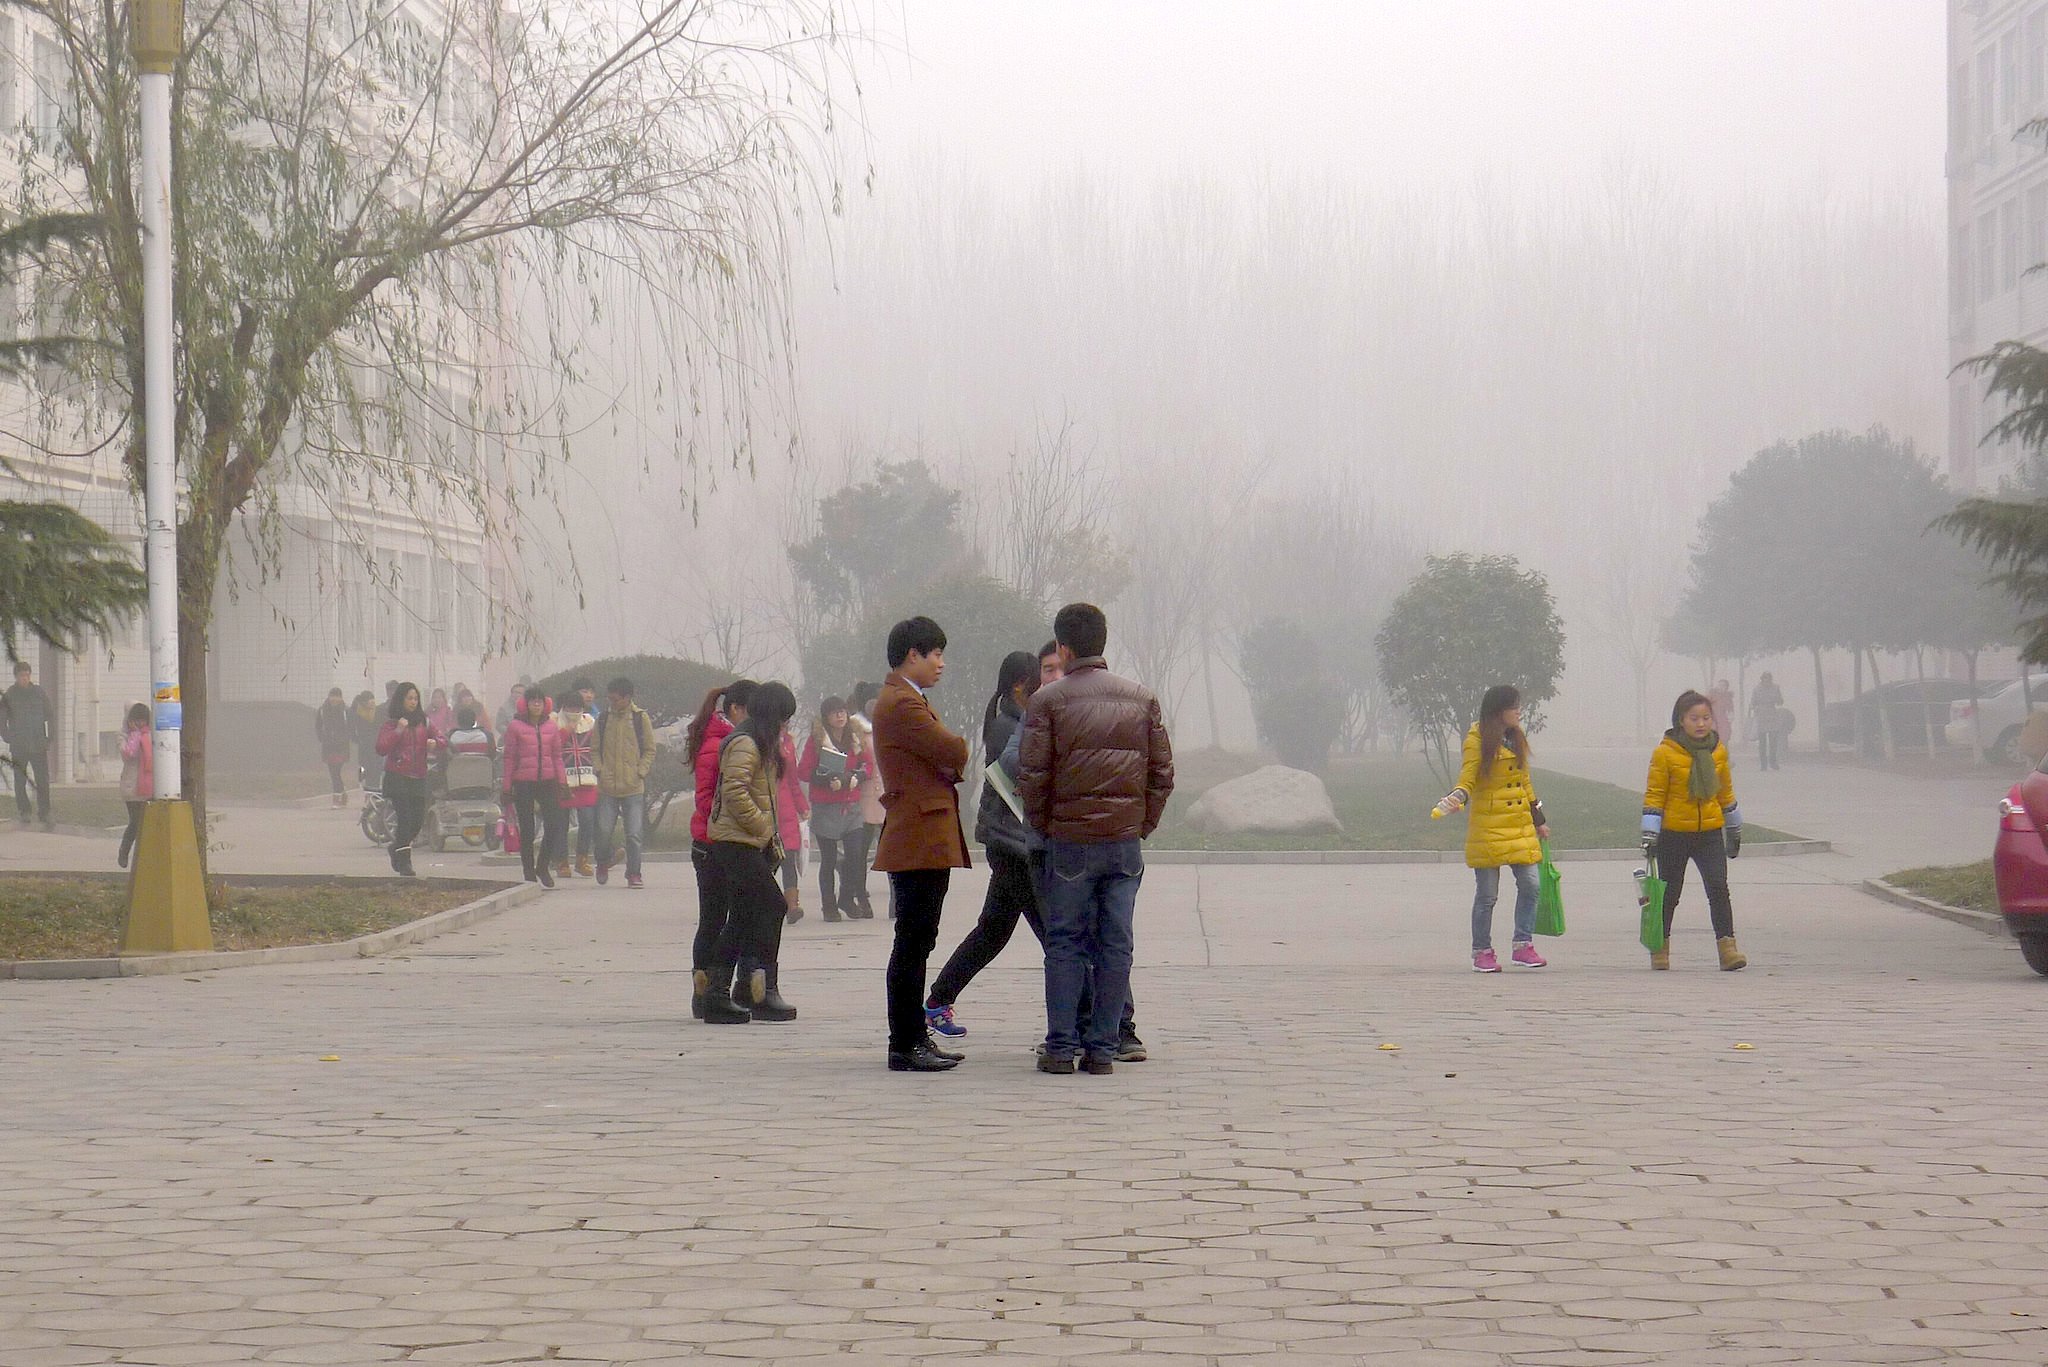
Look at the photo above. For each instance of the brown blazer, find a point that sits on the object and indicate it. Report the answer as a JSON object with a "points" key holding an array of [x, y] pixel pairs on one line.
{"points": [[921, 763]]}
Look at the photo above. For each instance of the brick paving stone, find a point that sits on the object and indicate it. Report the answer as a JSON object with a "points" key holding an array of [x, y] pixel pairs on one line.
{"points": [[530, 1152]]}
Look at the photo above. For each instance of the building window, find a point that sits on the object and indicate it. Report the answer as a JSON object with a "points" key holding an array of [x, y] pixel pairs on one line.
{"points": [[49, 105], [419, 605], [8, 77], [1987, 94], [2036, 65], [1959, 111], [1959, 269], [2008, 244], [1987, 257], [2008, 83]]}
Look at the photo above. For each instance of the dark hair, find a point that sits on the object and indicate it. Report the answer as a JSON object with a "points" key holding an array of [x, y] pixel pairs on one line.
{"points": [[1048, 650], [1687, 701], [863, 694], [738, 693], [1017, 667], [1494, 730], [136, 712], [535, 695], [398, 692], [769, 711], [465, 717], [919, 634], [335, 692], [622, 686], [23, 667], [582, 684], [1081, 628], [843, 742], [365, 696]]}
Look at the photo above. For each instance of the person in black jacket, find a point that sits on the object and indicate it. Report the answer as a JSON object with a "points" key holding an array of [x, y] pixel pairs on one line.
{"points": [[331, 729], [1012, 892]]}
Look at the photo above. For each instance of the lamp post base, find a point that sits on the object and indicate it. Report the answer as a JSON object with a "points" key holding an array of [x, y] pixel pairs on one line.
{"points": [[166, 893]]}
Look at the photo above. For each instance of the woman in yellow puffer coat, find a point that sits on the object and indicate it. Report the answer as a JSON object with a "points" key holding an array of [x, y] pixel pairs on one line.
{"points": [[1506, 827], [1689, 815]]}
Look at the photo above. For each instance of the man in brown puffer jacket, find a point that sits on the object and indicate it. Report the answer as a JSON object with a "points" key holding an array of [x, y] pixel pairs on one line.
{"points": [[1097, 770]]}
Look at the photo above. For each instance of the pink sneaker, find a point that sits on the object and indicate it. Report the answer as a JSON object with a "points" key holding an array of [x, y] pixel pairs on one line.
{"points": [[1483, 961], [1525, 956]]}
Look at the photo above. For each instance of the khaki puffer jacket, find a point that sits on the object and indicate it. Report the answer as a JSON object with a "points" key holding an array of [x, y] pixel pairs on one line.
{"points": [[1097, 765], [744, 812]]}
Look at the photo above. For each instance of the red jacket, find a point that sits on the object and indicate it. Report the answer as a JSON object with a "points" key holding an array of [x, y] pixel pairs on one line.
{"points": [[533, 754], [707, 776], [138, 764], [791, 806], [406, 752], [822, 793]]}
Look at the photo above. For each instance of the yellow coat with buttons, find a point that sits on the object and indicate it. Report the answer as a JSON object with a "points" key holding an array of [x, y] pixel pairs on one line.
{"points": [[1669, 790], [1502, 826]]}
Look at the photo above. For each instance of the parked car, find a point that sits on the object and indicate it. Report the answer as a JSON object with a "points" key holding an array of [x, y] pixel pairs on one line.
{"points": [[2001, 714], [1919, 710], [2019, 864]]}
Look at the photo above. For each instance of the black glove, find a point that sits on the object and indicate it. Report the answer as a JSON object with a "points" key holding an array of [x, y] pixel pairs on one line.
{"points": [[1733, 835]]}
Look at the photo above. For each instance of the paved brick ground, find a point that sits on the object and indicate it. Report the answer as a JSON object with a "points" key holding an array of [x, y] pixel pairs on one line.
{"points": [[527, 1152]]}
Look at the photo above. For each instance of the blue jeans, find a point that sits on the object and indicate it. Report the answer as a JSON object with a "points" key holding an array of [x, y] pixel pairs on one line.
{"points": [[1489, 893], [1091, 902], [608, 811]]}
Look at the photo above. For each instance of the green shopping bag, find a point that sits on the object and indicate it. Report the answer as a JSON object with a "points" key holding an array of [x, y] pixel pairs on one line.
{"points": [[1650, 896], [1549, 897]]}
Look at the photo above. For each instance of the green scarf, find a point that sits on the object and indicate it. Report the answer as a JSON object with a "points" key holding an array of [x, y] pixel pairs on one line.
{"points": [[1703, 784]]}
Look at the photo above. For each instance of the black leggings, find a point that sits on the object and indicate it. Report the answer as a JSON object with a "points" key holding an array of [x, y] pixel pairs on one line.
{"points": [[1709, 850], [1011, 895], [543, 795], [408, 799], [752, 935], [135, 810], [714, 903], [842, 875], [334, 775]]}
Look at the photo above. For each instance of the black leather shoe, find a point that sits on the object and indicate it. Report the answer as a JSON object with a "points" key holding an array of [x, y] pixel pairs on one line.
{"points": [[923, 1059], [931, 1042], [772, 1007]]}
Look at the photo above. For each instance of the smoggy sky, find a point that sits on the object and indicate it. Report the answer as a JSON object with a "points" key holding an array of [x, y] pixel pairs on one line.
{"points": [[1746, 94]]}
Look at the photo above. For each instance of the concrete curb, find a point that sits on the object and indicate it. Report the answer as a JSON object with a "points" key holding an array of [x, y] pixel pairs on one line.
{"points": [[1765, 849], [1989, 922], [362, 947]]}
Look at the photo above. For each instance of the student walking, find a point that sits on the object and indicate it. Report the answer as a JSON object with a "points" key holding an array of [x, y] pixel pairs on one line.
{"points": [[792, 809], [921, 763], [138, 773], [533, 779], [1766, 718], [365, 721], [723, 709], [331, 731], [624, 757], [861, 716], [407, 743], [1690, 816], [28, 725], [744, 975], [579, 786], [1097, 773], [1012, 894], [1506, 828], [834, 763]]}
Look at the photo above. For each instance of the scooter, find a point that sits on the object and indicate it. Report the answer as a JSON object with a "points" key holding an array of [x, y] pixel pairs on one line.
{"points": [[466, 806], [377, 813]]}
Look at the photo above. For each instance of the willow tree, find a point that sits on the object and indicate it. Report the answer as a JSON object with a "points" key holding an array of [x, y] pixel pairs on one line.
{"points": [[401, 228]]}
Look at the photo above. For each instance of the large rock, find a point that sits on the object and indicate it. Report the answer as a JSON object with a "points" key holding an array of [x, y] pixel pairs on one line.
{"points": [[1274, 800]]}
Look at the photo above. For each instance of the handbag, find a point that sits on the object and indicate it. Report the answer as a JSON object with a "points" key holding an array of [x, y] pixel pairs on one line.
{"points": [[508, 833], [1650, 897], [1549, 896]]}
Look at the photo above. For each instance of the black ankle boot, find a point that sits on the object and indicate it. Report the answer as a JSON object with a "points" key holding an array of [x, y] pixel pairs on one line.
{"points": [[719, 1007], [700, 981], [401, 859], [769, 1005]]}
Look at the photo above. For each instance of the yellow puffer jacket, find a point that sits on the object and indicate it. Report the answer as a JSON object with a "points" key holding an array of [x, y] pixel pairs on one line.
{"points": [[1502, 826], [1668, 794]]}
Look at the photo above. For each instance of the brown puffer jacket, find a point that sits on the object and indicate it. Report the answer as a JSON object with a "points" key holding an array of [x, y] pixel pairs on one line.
{"points": [[1097, 766]]}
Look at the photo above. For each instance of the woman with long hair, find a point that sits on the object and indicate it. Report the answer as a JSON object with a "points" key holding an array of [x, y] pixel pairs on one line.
{"points": [[860, 713], [407, 742], [1506, 828], [724, 708], [331, 730], [533, 780], [579, 785], [834, 763], [1012, 893], [138, 772], [746, 848], [1690, 816]]}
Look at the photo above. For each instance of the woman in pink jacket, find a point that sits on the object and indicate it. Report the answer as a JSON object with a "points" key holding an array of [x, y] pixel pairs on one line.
{"points": [[533, 776], [792, 809], [138, 773], [724, 708], [408, 743]]}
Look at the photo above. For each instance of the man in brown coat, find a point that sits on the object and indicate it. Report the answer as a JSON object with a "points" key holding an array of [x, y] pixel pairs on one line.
{"points": [[921, 843], [1097, 768]]}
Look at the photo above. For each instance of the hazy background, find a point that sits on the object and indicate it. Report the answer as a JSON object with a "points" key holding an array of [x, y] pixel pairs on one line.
{"points": [[1516, 278]]}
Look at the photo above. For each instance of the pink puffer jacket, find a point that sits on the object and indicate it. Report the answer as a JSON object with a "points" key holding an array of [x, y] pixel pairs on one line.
{"points": [[533, 754]]}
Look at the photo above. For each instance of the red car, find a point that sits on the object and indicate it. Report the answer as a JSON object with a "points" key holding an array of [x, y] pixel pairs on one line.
{"points": [[2019, 861]]}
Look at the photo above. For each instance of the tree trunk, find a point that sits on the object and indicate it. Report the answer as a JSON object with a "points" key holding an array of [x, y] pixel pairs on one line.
{"points": [[198, 572], [1820, 702], [1741, 692], [1885, 737], [1856, 700], [1209, 694], [1976, 707]]}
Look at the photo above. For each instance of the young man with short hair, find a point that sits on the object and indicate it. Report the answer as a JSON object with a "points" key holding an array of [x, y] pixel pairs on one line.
{"points": [[27, 723], [623, 757], [1097, 771], [921, 843]]}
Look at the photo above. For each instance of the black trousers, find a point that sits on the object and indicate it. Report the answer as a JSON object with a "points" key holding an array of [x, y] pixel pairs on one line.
{"points": [[539, 803], [714, 903], [135, 810], [917, 896], [842, 870], [863, 840], [39, 765], [1012, 896], [408, 799], [1709, 850], [334, 775], [752, 934]]}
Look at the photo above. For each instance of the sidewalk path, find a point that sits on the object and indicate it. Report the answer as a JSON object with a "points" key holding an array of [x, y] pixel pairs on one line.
{"points": [[527, 1152]]}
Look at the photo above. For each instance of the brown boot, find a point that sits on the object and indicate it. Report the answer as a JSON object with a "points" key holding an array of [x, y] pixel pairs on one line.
{"points": [[1731, 957], [583, 868], [562, 869], [1660, 959], [793, 906]]}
